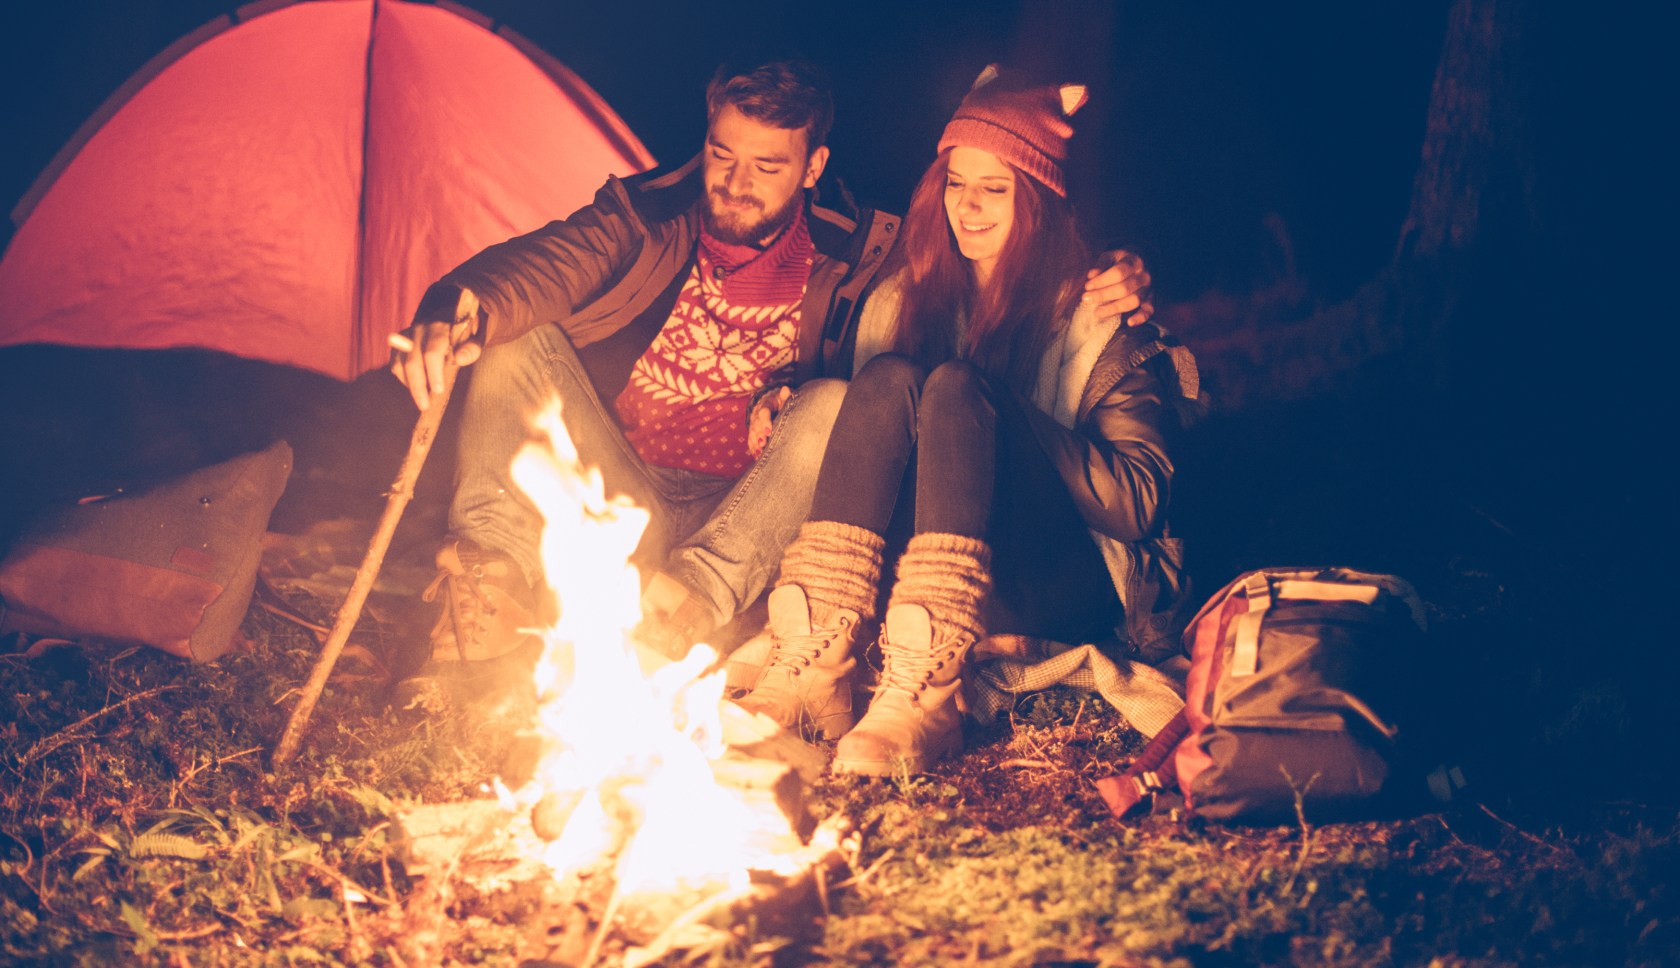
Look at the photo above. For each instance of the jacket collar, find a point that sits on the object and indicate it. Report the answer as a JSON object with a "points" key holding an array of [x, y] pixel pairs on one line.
{"points": [[676, 193]]}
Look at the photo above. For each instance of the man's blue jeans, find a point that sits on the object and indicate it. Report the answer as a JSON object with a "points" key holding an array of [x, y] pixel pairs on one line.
{"points": [[721, 538]]}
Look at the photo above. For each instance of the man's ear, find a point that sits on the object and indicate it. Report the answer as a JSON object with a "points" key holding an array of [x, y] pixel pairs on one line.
{"points": [[814, 166]]}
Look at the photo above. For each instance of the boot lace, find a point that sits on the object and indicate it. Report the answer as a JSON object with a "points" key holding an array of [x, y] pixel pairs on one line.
{"points": [[797, 652], [909, 672], [465, 602], [464, 582]]}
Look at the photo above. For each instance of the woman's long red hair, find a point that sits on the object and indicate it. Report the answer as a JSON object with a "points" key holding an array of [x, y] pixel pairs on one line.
{"points": [[1035, 285]]}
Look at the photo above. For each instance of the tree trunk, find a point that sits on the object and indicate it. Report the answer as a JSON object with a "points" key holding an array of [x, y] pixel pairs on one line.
{"points": [[1473, 189], [1477, 153]]}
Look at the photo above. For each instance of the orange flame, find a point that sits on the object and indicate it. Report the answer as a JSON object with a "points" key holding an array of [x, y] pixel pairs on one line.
{"points": [[629, 752]]}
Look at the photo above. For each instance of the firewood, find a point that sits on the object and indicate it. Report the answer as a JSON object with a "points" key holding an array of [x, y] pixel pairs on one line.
{"points": [[767, 781], [757, 736]]}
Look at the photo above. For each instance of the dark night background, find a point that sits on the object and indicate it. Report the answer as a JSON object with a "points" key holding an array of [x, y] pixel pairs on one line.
{"points": [[1204, 116], [1207, 116]]}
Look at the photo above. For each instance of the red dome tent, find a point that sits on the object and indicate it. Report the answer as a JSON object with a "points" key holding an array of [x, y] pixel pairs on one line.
{"points": [[282, 184]]}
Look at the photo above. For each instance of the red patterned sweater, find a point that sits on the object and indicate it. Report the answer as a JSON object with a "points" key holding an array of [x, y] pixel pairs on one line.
{"points": [[735, 328]]}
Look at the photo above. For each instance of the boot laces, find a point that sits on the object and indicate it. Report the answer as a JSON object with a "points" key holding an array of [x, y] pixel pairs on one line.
{"points": [[909, 672], [464, 590], [798, 651]]}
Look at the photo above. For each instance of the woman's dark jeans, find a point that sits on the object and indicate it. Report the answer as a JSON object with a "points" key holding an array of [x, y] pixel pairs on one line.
{"points": [[978, 471]]}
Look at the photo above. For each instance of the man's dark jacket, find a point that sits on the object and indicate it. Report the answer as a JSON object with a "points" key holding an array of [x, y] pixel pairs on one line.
{"points": [[609, 276]]}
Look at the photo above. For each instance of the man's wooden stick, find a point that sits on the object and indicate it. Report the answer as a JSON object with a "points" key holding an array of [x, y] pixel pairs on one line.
{"points": [[419, 445]]}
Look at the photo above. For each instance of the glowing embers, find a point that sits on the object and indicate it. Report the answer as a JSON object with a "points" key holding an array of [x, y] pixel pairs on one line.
{"points": [[627, 779]]}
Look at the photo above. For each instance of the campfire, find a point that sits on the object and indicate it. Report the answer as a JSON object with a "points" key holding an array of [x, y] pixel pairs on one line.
{"points": [[654, 804]]}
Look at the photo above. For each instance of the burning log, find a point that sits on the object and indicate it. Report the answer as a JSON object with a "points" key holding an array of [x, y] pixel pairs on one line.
{"points": [[492, 840], [757, 735], [491, 858], [775, 791], [653, 808]]}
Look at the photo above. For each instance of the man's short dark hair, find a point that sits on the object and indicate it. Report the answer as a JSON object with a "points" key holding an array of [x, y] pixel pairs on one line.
{"points": [[789, 93]]}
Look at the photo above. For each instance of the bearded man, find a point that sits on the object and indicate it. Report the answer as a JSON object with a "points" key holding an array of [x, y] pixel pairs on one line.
{"points": [[695, 326]]}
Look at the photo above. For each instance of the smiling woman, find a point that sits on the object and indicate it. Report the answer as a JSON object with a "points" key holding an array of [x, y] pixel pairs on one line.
{"points": [[980, 202], [1027, 429]]}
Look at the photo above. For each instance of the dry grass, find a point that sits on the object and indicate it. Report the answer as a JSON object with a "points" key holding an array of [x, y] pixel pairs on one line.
{"points": [[141, 827], [139, 822]]}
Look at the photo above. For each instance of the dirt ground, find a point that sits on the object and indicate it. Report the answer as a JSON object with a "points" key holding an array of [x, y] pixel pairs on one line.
{"points": [[144, 823]]}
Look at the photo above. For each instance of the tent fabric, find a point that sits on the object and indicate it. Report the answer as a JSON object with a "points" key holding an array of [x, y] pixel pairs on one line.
{"points": [[286, 187]]}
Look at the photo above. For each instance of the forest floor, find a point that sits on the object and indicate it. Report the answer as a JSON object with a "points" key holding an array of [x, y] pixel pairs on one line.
{"points": [[141, 821], [142, 826]]}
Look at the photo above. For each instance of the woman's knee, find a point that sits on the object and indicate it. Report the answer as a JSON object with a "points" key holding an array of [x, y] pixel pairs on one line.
{"points": [[955, 383], [884, 392], [888, 373]]}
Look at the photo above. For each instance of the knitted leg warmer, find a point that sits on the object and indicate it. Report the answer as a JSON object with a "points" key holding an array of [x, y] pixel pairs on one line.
{"points": [[838, 566], [829, 578], [947, 574], [932, 622]]}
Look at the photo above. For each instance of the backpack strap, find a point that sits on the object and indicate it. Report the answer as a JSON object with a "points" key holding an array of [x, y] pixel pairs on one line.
{"points": [[1153, 771], [1327, 591], [1245, 658]]}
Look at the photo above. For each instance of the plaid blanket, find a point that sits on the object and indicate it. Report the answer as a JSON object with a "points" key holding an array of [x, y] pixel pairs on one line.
{"points": [[1006, 666]]}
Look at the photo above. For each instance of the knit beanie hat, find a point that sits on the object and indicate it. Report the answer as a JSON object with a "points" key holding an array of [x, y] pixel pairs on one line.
{"points": [[1022, 123]]}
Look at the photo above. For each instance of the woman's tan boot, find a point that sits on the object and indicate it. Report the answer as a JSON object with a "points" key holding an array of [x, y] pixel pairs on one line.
{"points": [[932, 622], [828, 585]]}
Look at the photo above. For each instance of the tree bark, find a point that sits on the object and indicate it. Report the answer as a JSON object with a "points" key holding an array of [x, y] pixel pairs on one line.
{"points": [[1477, 151], [1473, 188]]}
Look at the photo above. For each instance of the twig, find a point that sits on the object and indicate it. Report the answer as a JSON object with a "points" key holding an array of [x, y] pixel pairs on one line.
{"points": [[1453, 833], [356, 942], [181, 786], [611, 912], [1551, 847], [29, 861], [661, 946], [1029, 741], [363, 845], [188, 935], [345, 882], [1301, 818], [1248, 877], [821, 874], [1490, 519], [234, 756], [53, 742], [1041, 764], [419, 445], [295, 619], [860, 879]]}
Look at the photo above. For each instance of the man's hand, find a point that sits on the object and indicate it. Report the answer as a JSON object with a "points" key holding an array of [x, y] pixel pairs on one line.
{"points": [[422, 349], [762, 421], [1124, 287]]}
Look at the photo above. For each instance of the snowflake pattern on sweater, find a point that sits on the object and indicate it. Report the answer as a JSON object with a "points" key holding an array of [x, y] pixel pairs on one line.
{"points": [[734, 328]]}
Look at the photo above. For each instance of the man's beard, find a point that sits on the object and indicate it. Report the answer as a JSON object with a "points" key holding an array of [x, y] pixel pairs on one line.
{"points": [[740, 228]]}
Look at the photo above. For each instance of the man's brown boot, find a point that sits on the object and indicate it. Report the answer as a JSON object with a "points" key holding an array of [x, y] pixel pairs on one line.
{"points": [[932, 622], [828, 585], [674, 618], [489, 609]]}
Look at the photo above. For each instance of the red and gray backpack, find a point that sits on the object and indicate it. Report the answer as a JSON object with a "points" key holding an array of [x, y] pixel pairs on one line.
{"points": [[1301, 682]]}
